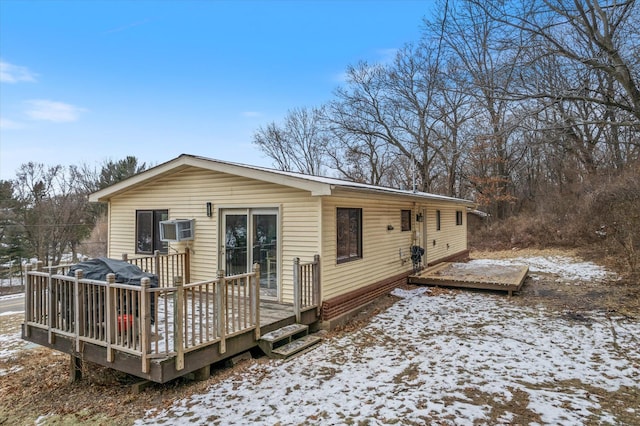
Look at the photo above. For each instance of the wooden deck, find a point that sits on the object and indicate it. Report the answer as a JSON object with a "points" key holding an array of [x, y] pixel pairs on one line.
{"points": [[164, 332], [463, 275], [272, 316]]}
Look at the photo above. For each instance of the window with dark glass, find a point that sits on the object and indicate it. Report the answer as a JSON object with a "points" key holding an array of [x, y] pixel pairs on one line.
{"points": [[458, 217], [437, 220], [148, 231], [349, 238], [405, 220]]}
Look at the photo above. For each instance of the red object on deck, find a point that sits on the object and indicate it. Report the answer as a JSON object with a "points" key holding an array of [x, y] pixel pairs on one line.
{"points": [[124, 322]]}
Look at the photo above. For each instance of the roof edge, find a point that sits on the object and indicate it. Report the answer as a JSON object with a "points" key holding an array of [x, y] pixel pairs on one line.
{"points": [[316, 185], [187, 160]]}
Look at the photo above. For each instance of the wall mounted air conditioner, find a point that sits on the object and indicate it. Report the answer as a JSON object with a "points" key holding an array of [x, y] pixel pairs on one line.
{"points": [[177, 230]]}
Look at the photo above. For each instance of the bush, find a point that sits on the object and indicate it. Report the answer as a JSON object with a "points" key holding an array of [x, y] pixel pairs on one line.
{"points": [[613, 214], [603, 213]]}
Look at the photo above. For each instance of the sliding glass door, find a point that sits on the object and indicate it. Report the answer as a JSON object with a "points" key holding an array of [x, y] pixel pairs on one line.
{"points": [[251, 236]]}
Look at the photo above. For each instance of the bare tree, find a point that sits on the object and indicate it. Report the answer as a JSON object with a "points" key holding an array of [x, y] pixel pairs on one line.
{"points": [[298, 144], [597, 35], [487, 53], [455, 111], [51, 209], [361, 157], [394, 104]]}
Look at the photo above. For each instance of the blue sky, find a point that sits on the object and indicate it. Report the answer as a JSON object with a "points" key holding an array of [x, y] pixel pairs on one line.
{"points": [[85, 81]]}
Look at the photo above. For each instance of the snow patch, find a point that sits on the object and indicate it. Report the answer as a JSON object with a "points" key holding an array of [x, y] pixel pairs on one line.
{"points": [[406, 294], [565, 267]]}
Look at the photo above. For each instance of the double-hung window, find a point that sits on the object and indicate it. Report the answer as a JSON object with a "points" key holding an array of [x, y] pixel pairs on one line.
{"points": [[148, 231], [349, 234], [405, 220]]}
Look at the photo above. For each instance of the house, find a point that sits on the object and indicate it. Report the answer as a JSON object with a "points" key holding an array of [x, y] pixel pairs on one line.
{"points": [[241, 215], [245, 257]]}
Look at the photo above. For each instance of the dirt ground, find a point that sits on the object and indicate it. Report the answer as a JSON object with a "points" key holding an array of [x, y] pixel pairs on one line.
{"points": [[621, 296], [37, 380]]}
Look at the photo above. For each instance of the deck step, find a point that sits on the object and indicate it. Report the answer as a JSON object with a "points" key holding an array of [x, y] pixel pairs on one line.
{"points": [[296, 347], [285, 332], [287, 341]]}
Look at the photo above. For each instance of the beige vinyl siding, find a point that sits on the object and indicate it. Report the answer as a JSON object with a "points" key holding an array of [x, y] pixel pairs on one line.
{"points": [[380, 246], [185, 195], [307, 226], [451, 238]]}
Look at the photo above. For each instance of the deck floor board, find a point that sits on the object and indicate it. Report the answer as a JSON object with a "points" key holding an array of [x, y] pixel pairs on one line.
{"points": [[507, 278]]}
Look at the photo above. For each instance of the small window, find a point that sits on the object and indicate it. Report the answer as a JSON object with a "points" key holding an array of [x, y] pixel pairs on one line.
{"points": [[437, 220], [148, 231], [349, 234], [458, 217], [405, 220]]}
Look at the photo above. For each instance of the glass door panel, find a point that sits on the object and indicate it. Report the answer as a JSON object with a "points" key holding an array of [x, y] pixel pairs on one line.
{"points": [[265, 252], [235, 251]]}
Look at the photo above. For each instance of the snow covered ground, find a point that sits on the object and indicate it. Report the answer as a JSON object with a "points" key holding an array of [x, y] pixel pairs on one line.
{"points": [[453, 358], [11, 342]]}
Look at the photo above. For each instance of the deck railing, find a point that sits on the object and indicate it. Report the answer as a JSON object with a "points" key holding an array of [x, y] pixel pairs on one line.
{"points": [[165, 266], [306, 286], [152, 323]]}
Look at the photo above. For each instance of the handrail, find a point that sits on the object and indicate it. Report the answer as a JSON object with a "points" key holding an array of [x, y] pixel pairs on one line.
{"points": [[306, 286], [165, 266]]}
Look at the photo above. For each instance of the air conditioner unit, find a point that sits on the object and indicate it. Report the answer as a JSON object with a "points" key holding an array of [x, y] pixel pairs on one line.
{"points": [[177, 230]]}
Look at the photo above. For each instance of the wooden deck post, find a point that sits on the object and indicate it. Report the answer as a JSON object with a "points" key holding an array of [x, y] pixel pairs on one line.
{"points": [[187, 265], [145, 322], [221, 295], [255, 300], [202, 373], [75, 368], [52, 315], [28, 295], [111, 311], [178, 323], [77, 306], [156, 264], [316, 283], [296, 288]]}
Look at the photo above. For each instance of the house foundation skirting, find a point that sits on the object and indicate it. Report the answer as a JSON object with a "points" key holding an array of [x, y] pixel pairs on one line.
{"points": [[338, 309]]}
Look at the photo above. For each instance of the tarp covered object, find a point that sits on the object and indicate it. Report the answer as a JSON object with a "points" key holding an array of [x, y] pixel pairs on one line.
{"points": [[125, 272]]}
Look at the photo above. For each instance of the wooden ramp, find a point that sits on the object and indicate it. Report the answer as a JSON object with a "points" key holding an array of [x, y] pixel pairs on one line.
{"points": [[507, 278]]}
